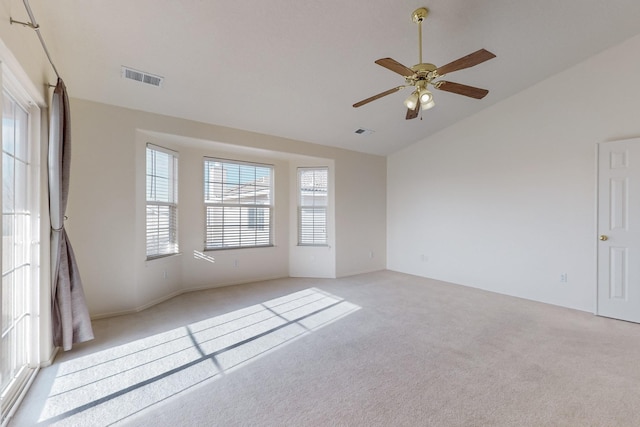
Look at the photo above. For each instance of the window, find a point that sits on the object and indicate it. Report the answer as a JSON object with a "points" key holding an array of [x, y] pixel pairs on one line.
{"points": [[239, 204], [256, 218], [312, 206], [162, 202], [20, 278]]}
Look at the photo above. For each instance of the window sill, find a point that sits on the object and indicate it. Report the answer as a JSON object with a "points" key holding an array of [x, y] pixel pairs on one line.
{"points": [[163, 257], [235, 249]]}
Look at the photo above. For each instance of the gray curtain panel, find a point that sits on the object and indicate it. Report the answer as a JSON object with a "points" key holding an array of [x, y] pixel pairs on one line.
{"points": [[71, 321]]}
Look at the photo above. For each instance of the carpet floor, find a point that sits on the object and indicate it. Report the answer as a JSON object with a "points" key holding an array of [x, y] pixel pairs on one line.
{"points": [[377, 349]]}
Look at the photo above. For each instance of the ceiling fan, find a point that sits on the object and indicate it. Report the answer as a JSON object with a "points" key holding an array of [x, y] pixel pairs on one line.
{"points": [[421, 75]]}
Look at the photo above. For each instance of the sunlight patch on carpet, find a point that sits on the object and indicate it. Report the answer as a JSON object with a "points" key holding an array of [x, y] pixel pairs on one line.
{"points": [[107, 387]]}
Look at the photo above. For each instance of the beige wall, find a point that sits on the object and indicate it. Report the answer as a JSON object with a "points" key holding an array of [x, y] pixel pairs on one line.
{"points": [[106, 202], [505, 200], [361, 212]]}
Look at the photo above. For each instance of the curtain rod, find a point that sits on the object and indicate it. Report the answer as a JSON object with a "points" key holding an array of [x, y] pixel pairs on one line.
{"points": [[34, 25]]}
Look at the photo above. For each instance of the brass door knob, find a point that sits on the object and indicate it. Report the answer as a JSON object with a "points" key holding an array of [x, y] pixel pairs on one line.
{"points": [[603, 237]]}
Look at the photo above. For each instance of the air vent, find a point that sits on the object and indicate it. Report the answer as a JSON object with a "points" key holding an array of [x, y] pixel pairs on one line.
{"points": [[142, 77], [362, 131]]}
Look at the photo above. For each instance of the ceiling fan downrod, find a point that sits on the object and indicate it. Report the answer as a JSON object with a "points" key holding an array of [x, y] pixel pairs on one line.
{"points": [[418, 16]]}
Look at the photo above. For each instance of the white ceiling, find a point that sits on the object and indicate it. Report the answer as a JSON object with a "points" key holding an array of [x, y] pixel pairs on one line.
{"points": [[293, 68]]}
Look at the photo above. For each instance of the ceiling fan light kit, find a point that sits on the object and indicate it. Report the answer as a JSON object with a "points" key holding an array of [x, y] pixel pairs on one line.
{"points": [[427, 105], [421, 75], [412, 100], [425, 95]]}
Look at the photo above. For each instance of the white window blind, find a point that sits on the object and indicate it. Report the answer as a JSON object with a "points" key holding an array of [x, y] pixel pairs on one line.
{"points": [[162, 202], [312, 206], [239, 204]]}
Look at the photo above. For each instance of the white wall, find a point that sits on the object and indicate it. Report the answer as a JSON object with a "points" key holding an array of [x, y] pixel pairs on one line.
{"points": [[106, 207], [505, 200]]}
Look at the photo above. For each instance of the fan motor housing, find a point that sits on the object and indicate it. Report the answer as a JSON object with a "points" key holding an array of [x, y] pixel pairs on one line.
{"points": [[424, 68], [424, 72]]}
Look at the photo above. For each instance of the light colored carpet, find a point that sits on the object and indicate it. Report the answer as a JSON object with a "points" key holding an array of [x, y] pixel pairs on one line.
{"points": [[379, 349]]}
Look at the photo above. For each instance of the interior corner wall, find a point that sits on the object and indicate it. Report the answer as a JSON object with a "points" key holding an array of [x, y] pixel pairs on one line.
{"points": [[360, 210], [505, 200], [106, 222]]}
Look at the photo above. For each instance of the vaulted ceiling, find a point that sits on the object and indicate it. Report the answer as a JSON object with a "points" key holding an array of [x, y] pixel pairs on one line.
{"points": [[293, 68]]}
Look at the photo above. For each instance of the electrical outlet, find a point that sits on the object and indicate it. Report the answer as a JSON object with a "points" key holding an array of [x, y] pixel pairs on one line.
{"points": [[370, 254], [563, 278], [424, 258], [236, 263]]}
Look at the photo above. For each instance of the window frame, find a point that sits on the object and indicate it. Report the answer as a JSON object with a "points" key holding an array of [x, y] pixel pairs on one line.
{"points": [[16, 87], [172, 246], [323, 240], [254, 210]]}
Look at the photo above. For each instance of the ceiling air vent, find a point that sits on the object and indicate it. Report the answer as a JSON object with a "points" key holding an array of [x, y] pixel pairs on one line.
{"points": [[363, 131], [142, 77]]}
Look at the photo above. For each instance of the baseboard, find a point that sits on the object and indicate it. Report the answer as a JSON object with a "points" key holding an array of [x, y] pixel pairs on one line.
{"points": [[178, 293], [53, 356], [355, 273], [158, 301], [139, 308], [224, 285]]}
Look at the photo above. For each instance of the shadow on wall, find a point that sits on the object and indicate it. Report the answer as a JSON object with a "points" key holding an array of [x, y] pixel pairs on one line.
{"points": [[114, 384]]}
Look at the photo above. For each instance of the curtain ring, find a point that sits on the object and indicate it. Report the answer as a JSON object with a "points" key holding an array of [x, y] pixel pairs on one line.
{"points": [[60, 229]]}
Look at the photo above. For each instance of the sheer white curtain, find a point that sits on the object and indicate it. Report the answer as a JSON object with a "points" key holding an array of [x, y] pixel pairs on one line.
{"points": [[71, 321]]}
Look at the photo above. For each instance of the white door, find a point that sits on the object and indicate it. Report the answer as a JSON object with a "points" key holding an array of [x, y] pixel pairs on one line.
{"points": [[619, 229]]}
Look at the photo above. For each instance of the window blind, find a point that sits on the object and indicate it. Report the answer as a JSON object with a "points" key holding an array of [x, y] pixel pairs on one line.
{"points": [[312, 206], [162, 201], [238, 204]]}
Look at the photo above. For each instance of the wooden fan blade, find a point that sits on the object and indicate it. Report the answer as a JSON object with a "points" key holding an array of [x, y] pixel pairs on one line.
{"points": [[460, 89], [395, 66], [412, 114], [374, 97], [470, 60]]}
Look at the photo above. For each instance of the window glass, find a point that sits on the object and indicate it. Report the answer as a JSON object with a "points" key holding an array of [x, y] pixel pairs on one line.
{"points": [[312, 206], [18, 282], [238, 204], [162, 202]]}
